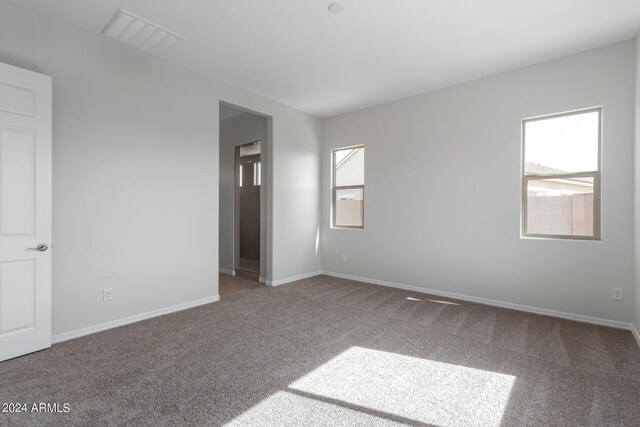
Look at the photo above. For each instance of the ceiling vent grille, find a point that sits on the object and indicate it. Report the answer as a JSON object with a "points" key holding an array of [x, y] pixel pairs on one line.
{"points": [[140, 33]]}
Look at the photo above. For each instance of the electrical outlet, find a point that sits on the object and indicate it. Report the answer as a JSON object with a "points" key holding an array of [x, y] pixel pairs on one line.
{"points": [[616, 294], [344, 258], [107, 294]]}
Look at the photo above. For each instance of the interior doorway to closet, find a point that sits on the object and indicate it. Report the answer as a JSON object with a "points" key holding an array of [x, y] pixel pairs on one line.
{"points": [[244, 157], [248, 182]]}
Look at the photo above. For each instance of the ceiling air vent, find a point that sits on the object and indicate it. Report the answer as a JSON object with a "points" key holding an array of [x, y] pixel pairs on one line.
{"points": [[140, 33]]}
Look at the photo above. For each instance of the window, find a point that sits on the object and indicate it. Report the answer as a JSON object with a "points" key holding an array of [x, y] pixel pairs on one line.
{"points": [[240, 176], [348, 187], [257, 178], [561, 175]]}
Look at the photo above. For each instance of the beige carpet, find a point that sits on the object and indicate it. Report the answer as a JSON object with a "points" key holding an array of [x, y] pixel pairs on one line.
{"points": [[229, 285], [249, 265], [326, 351]]}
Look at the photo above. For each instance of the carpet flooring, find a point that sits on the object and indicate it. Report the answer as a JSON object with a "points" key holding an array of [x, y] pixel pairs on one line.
{"points": [[327, 351], [228, 285]]}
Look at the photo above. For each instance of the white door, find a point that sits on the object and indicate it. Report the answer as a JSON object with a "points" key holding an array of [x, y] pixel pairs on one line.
{"points": [[25, 211]]}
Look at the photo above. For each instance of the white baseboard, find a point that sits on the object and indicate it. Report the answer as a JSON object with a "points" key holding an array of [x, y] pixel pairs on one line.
{"points": [[635, 333], [502, 304], [227, 271], [65, 336], [262, 280], [292, 279]]}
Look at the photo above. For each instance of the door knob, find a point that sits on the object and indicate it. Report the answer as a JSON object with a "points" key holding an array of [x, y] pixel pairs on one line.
{"points": [[41, 248]]}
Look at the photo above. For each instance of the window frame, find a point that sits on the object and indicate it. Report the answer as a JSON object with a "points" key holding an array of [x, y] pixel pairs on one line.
{"points": [[335, 188], [596, 175]]}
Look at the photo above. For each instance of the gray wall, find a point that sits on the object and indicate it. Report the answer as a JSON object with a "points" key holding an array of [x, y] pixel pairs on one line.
{"points": [[234, 131], [455, 155], [636, 295], [135, 167]]}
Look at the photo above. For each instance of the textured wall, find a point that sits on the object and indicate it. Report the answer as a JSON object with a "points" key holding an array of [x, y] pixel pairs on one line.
{"points": [[456, 155], [636, 294], [135, 173]]}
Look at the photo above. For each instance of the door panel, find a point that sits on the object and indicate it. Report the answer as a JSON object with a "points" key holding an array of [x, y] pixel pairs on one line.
{"points": [[17, 181], [17, 288], [16, 99], [25, 211]]}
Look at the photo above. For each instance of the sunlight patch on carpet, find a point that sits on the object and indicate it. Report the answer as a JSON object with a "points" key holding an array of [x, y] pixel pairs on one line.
{"points": [[362, 385]]}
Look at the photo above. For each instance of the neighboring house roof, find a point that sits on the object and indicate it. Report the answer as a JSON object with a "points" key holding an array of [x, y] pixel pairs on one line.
{"points": [[531, 168]]}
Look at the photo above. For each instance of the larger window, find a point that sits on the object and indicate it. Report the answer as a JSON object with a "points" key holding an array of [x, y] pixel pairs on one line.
{"points": [[561, 175], [348, 187]]}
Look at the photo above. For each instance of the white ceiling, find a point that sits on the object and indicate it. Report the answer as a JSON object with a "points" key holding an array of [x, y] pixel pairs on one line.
{"points": [[296, 52]]}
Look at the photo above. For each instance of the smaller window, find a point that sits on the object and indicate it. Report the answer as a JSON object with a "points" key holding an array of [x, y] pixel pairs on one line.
{"points": [[561, 175], [257, 178], [240, 176], [348, 187]]}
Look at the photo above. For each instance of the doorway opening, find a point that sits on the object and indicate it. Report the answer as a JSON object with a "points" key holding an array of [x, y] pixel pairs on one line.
{"points": [[248, 183], [244, 193]]}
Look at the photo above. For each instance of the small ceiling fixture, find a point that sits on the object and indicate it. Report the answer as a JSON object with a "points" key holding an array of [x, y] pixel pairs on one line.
{"points": [[335, 7], [140, 33]]}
